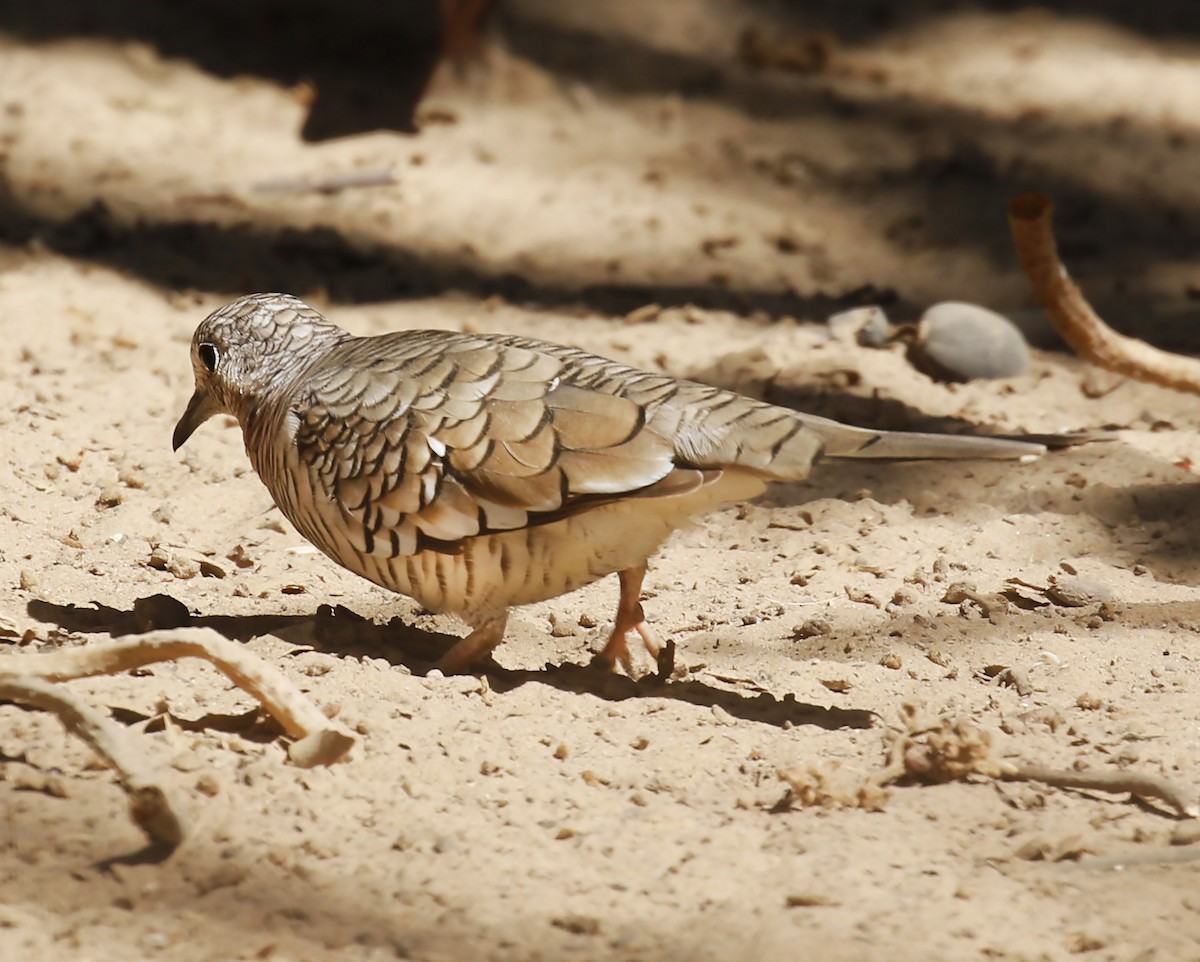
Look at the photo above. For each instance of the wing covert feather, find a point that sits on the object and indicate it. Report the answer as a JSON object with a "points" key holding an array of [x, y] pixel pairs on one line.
{"points": [[486, 437]]}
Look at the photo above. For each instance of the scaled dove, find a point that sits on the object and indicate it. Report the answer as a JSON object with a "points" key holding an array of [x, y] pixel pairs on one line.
{"points": [[475, 472]]}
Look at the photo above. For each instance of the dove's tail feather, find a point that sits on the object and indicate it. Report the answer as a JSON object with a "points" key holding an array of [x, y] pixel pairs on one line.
{"points": [[720, 429]]}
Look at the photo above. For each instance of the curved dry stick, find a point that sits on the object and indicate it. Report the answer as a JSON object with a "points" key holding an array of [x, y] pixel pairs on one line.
{"points": [[148, 802], [318, 741], [1144, 784], [1030, 217]]}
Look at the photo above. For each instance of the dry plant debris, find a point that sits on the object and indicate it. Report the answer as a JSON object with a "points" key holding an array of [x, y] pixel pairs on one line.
{"points": [[29, 679], [947, 749], [1030, 218], [149, 805]]}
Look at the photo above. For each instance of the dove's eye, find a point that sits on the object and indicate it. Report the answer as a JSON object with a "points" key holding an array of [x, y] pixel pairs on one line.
{"points": [[208, 355]]}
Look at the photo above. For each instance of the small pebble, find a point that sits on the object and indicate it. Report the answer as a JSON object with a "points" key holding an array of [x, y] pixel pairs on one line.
{"points": [[559, 627], [1068, 591], [961, 342], [577, 924], [210, 569], [208, 785], [110, 496], [867, 326], [722, 716]]}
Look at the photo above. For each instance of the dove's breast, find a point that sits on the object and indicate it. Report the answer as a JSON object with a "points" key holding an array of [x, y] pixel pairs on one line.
{"points": [[492, 572]]}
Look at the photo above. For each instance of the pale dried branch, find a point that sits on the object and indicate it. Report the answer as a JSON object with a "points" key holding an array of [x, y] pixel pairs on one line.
{"points": [[148, 802], [952, 749], [1142, 784], [318, 741], [1030, 218], [948, 749]]}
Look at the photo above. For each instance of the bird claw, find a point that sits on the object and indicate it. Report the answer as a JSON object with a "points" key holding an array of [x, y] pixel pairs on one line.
{"points": [[617, 649]]}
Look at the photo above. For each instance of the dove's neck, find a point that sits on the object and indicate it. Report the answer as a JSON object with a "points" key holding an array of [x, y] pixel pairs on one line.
{"points": [[271, 392]]}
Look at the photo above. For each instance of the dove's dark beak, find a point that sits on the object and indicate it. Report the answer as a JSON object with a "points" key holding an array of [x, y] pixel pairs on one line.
{"points": [[200, 408]]}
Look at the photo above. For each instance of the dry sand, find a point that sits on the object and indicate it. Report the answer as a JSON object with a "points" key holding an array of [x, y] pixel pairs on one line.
{"points": [[541, 811]]}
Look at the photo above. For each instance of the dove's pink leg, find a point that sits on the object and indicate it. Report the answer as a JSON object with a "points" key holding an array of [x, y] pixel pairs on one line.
{"points": [[466, 654], [630, 617]]}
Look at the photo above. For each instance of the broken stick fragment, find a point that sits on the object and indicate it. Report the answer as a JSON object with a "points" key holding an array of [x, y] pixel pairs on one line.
{"points": [[28, 679], [1141, 784], [1030, 217], [149, 805], [318, 741]]}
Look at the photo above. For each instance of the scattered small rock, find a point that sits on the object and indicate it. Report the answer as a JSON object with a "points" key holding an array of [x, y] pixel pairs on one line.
{"points": [[210, 569], [862, 596], [1071, 592], [812, 628], [240, 558], [1098, 383], [35, 781], [722, 716], [207, 784], [559, 627], [110, 496], [577, 924], [643, 314], [867, 326]]}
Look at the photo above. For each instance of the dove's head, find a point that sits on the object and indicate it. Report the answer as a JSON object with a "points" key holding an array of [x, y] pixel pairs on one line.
{"points": [[245, 348]]}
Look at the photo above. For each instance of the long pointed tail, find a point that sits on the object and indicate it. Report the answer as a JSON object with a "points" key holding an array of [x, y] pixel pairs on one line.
{"points": [[843, 441], [717, 429]]}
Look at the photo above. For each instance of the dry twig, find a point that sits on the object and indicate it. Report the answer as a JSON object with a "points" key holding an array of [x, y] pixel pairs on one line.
{"points": [[1142, 784], [1030, 217], [953, 749], [28, 679], [148, 802], [319, 742]]}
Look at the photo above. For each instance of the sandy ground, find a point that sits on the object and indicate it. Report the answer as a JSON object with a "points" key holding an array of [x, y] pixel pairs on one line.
{"points": [[606, 159]]}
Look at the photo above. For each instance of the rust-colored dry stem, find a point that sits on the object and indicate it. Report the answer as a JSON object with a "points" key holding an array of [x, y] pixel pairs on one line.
{"points": [[1030, 216]]}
